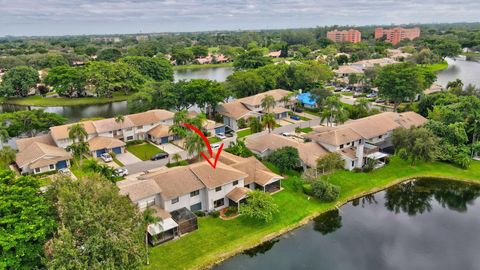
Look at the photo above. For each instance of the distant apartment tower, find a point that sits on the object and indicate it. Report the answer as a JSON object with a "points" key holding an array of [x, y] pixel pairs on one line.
{"points": [[397, 34], [350, 35]]}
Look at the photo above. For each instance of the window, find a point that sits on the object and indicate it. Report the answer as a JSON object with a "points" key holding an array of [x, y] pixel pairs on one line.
{"points": [[174, 201], [217, 189], [235, 182], [129, 129], [341, 146], [140, 127], [37, 170], [353, 163], [348, 143], [196, 207], [129, 138], [380, 136], [218, 203], [194, 193], [52, 166]]}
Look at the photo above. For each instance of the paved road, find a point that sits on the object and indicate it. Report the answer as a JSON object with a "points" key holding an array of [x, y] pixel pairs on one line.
{"points": [[145, 165]]}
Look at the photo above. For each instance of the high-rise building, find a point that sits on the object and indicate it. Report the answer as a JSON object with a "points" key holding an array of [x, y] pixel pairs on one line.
{"points": [[397, 34], [350, 35]]}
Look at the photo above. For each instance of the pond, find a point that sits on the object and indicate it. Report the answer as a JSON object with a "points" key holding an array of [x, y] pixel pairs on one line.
{"points": [[219, 74], [424, 224], [467, 71]]}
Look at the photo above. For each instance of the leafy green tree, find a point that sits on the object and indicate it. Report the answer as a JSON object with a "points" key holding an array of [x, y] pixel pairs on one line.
{"points": [[18, 81], [67, 81], [29, 122], [183, 56], [194, 144], [285, 158], [48, 60], [199, 51], [91, 51], [254, 58], [158, 68], [306, 75], [330, 162], [333, 111], [239, 148], [94, 233], [255, 125], [268, 121], [260, 206], [325, 191], [415, 144], [26, 222], [140, 102], [245, 83], [401, 82], [447, 47], [109, 54], [320, 95]]}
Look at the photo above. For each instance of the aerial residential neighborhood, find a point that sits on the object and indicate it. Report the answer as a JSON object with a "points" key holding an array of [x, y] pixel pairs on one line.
{"points": [[227, 135]]}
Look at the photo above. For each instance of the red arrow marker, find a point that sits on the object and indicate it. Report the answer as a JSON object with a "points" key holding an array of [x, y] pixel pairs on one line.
{"points": [[207, 143]]}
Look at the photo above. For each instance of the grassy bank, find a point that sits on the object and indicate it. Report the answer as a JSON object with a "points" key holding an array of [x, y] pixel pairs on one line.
{"points": [[61, 101], [436, 67], [220, 239], [198, 66]]}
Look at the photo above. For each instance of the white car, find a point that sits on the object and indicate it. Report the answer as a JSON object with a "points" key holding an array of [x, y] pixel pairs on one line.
{"points": [[106, 157], [215, 146], [221, 136], [287, 134], [121, 171], [65, 171]]}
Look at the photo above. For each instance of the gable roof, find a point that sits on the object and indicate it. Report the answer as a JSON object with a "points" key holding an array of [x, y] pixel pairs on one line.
{"points": [[101, 142], [110, 124], [25, 142], [235, 110], [149, 117], [219, 176], [61, 132], [38, 155], [160, 131], [256, 100]]}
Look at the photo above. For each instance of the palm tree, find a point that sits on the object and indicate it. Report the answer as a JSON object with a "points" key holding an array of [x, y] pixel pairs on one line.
{"points": [[179, 118], [79, 149], [77, 132], [148, 218], [268, 102], [255, 125], [286, 99], [334, 111], [268, 121], [119, 118], [176, 157], [194, 144]]}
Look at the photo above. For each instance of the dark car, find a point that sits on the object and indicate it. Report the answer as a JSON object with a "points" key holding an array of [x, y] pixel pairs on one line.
{"points": [[299, 110], [159, 156]]}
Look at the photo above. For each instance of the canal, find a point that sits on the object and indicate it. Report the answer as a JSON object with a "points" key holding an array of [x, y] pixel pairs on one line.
{"points": [[425, 224]]}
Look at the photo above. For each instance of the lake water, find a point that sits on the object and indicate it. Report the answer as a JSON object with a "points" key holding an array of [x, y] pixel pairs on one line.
{"points": [[219, 74], [427, 224], [467, 71]]}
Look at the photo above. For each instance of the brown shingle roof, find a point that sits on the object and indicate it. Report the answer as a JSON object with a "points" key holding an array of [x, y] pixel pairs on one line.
{"points": [[235, 110], [238, 194], [256, 100], [109, 124], [160, 131], [337, 136], [101, 142], [61, 132], [149, 117], [348, 70], [141, 190], [24, 143], [38, 155], [219, 176]]}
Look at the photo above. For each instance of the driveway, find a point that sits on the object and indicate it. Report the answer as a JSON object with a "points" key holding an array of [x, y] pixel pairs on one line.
{"points": [[128, 158], [169, 148], [146, 165]]}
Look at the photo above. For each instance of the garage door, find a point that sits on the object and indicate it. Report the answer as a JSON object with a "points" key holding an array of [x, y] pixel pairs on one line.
{"points": [[117, 150], [101, 151], [220, 130], [164, 140], [196, 207], [61, 164]]}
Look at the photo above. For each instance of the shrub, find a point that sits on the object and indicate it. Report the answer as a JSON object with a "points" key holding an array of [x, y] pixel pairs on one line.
{"points": [[231, 211], [215, 214], [370, 165], [260, 206], [134, 142], [356, 170], [325, 191], [285, 158], [307, 140], [242, 123], [199, 213], [297, 184], [307, 189]]}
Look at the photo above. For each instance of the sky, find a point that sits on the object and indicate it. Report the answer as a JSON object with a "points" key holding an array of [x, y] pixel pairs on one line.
{"points": [[76, 17]]}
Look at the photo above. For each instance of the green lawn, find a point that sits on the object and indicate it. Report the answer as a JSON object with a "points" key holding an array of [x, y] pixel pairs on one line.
{"points": [[41, 101], [436, 67], [144, 151], [243, 133], [214, 140], [220, 239], [306, 130], [303, 118]]}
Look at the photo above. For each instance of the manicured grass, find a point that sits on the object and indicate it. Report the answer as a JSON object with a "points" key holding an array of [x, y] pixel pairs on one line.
{"points": [[220, 239], [303, 118], [144, 151], [436, 67], [198, 66], [214, 140], [306, 130], [41, 101], [243, 133]]}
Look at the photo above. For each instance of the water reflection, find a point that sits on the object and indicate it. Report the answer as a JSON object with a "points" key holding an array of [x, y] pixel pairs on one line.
{"points": [[261, 249], [328, 222], [218, 74]]}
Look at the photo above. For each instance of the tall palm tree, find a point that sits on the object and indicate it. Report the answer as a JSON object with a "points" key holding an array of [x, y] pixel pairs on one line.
{"points": [[176, 157], [286, 99], [179, 118], [148, 218], [194, 144], [268, 102], [334, 111], [77, 132], [79, 149], [268, 121], [119, 118]]}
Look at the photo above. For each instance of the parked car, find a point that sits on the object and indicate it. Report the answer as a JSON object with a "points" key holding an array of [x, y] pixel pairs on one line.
{"points": [[287, 134], [372, 95], [230, 134], [65, 171], [295, 117], [357, 94], [159, 156], [106, 157], [221, 136], [298, 110], [379, 100], [121, 171], [215, 146], [345, 90]]}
